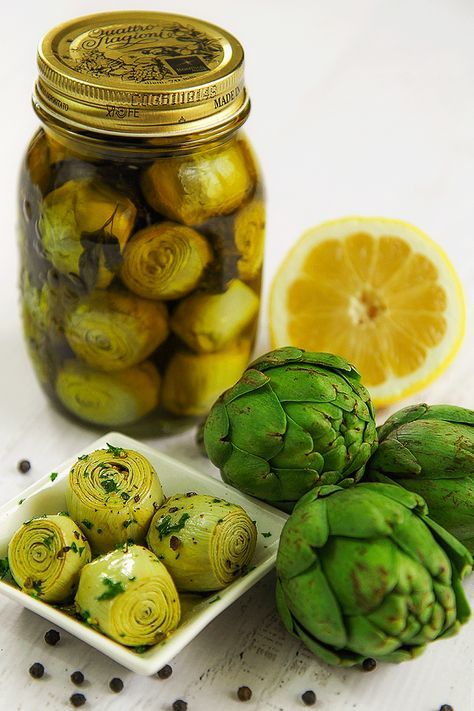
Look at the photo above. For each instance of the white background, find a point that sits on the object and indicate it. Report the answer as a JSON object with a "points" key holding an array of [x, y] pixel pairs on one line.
{"points": [[359, 107]]}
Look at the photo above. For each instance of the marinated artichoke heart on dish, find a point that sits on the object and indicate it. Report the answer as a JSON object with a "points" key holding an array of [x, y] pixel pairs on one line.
{"points": [[111, 399], [193, 381], [294, 420], [363, 572], [165, 261], [192, 188], [46, 556], [203, 541], [429, 449], [113, 494], [249, 229], [209, 322], [112, 330], [129, 596], [84, 226]]}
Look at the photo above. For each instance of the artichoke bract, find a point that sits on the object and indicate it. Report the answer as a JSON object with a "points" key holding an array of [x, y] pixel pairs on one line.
{"points": [[429, 449], [294, 420], [165, 261], [113, 399], [129, 596], [46, 556], [193, 188], [209, 322], [84, 227], [192, 381], [112, 494], [203, 541], [112, 330], [363, 572]]}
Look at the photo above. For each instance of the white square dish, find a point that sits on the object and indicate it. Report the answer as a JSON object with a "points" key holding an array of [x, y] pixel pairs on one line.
{"points": [[46, 496]]}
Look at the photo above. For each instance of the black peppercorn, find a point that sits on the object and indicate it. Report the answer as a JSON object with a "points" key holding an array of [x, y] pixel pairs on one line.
{"points": [[116, 684], [446, 707], [78, 699], [77, 677], [179, 705], [165, 672], [36, 670], [309, 698], [52, 637], [24, 466], [244, 693], [369, 664]]}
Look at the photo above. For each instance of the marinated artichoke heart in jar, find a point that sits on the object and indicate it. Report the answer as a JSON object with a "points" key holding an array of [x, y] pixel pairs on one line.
{"points": [[46, 556], [113, 494], [249, 228], [113, 399], [165, 261], [37, 326], [203, 541], [129, 596], [112, 330], [192, 188], [192, 381], [84, 227], [209, 322]]}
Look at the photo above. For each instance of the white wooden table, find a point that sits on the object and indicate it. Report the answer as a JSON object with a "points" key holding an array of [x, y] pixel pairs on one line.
{"points": [[360, 107]]}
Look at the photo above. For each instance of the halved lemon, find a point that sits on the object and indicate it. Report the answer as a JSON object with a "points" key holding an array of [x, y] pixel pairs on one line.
{"points": [[377, 291]]}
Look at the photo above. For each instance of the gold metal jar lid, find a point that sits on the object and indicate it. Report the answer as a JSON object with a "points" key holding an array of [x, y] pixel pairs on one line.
{"points": [[141, 74]]}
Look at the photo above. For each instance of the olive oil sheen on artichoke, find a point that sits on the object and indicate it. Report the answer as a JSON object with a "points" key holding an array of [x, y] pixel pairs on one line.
{"points": [[141, 220]]}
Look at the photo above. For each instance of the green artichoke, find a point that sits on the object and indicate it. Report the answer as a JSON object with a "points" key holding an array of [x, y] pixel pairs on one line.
{"points": [[294, 420], [429, 449], [363, 572]]}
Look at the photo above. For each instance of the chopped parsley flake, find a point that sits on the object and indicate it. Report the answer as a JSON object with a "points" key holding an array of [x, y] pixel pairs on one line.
{"points": [[20, 502], [266, 534], [48, 541], [165, 527], [63, 513], [125, 496], [88, 524], [81, 549], [214, 599], [115, 451], [4, 568], [83, 457], [53, 476], [73, 547], [112, 589], [141, 648], [109, 485]]}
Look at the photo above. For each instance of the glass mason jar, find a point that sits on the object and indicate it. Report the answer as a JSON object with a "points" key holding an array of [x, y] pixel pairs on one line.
{"points": [[141, 221]]}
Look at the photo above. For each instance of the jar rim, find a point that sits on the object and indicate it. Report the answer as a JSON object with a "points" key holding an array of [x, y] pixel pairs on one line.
{"points": [[141, 74]]}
